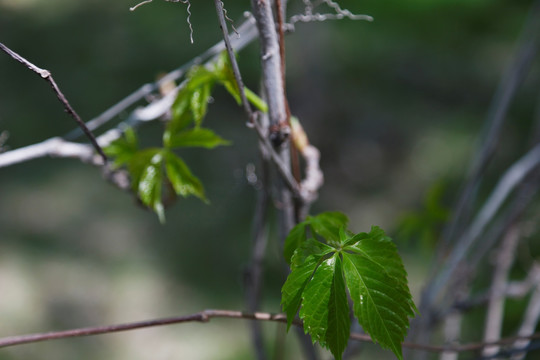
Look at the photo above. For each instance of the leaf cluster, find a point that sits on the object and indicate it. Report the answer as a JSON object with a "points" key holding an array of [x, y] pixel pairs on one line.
{"points": [[153, 169], [326, 260]]}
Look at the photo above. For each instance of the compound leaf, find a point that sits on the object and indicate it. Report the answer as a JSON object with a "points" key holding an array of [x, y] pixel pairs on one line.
{"points": [[322, 269]]}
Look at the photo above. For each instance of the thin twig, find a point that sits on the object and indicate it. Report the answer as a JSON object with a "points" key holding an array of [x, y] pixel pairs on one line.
{"points": [[495, 309], [54, 147], [46, 74], [133, 8], [530, 322], [232, 58], [254, 274], [206, 315]]}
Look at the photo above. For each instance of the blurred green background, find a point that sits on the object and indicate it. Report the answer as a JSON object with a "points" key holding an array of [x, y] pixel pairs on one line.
{"points": [[395, 106]]}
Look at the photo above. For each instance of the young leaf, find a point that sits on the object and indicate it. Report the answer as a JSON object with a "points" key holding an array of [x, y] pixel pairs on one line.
{"points": [[225, 76], [149, 186], [181, 178], [196, 137], [256, 100], [199, 102], [326, 224], [200, 76], [181, 116], [124, 148], [138, 163]]}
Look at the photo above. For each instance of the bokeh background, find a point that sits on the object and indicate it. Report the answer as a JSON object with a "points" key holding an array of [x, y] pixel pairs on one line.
{"points": [[396, 107]]}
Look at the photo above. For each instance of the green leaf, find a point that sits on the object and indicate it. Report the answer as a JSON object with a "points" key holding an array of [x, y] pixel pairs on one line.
{"points": [[339, 321], [327, 225], [181, 116], [378, 287], [294, 239], [199, 102], [225, 76], [181, 178], [379, 249], [200, 76], [197, 137], [149, 185], [124, 148], [367, 264], [232, 89], [256, 100], [294, 287], [138, 163], [325, 310], [307, 248]]}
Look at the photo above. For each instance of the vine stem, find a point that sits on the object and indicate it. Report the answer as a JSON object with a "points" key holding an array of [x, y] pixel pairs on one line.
{"points": [[46, 74], [206, 315]]}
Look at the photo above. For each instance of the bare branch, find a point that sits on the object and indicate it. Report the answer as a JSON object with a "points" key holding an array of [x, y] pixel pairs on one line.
{"points": [[45, 74], [514, 176], [530, 321], [54, 147], [271, 62], [206, 315], [495, 310]]}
